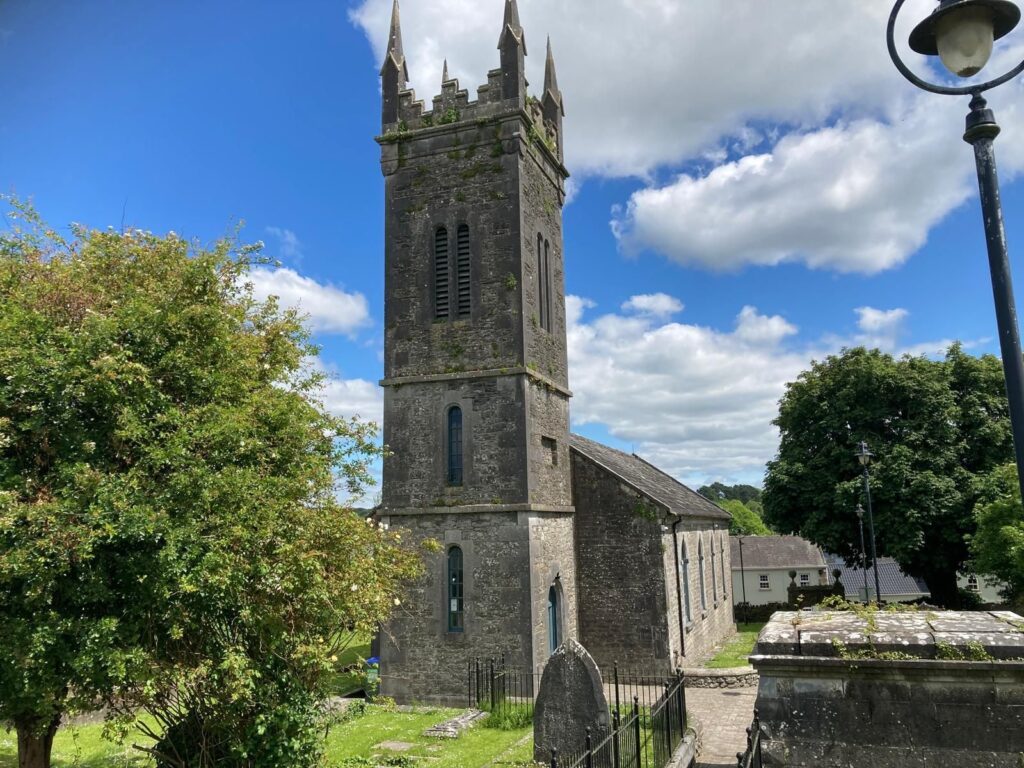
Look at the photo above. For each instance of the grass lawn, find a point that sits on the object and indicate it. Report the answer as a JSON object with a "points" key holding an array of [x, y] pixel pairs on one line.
{"points": [[349, 674], [352, 744], [736, 651]]}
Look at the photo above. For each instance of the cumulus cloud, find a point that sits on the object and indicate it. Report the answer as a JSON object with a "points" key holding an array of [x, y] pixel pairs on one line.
{"points": [[654, 304], [856, 196], [802, 141], [288, 244], [330, 309], [697, 401], [648, 82]]}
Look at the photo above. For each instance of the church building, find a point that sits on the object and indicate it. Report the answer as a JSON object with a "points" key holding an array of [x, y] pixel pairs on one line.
{"points": [[543, 535]]}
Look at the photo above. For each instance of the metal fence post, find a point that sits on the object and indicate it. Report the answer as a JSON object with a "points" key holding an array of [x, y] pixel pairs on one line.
{"points": [[479, 680], [682, 701], [616, 675], [667, 716], [616, 725], [492, 685], [636, 730], [590, 750], [554, 758]]}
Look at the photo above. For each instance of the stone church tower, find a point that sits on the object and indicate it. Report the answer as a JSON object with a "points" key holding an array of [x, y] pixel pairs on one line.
{"points": [[476, 398]]}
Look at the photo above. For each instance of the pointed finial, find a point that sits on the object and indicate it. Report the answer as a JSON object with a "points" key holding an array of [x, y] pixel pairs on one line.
{"points": [[511, 24], [550, 78], [444, 75], [396, 52]]}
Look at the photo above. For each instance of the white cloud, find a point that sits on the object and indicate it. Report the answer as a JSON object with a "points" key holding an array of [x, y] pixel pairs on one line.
{"points": [[288, 244], [654, 304], [866, 164], [699, 401], [330, 309], [648, 82], [853, 197]]}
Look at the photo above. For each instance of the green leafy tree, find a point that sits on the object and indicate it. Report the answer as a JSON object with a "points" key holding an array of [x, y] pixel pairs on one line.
{"points": [[718, 491], [997, 547], [935, 427], [744, 521], [171, 539]]}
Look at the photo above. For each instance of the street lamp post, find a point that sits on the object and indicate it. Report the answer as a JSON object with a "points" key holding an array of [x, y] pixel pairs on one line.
{"points": [[863, 553], [962, 33], [864, 457]]}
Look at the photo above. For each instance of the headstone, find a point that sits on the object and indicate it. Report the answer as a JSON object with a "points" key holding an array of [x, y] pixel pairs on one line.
{"points": [[570, 700]]}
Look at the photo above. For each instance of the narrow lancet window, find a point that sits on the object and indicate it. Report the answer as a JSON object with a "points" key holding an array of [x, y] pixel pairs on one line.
{"points": [[687, 602], [542, 283], [456, 598], [441, 276], [547, 285], [462, 271], [455, 446], [700, 573]]}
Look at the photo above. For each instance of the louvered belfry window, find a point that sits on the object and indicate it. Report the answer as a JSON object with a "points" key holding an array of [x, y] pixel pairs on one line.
{"points": [[462, 271], [455, 446], [542, 284], [442, 300]]}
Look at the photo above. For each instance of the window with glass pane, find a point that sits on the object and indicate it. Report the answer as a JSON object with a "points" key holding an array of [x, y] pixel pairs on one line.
{"points": [[456, 601], [455, 446]]}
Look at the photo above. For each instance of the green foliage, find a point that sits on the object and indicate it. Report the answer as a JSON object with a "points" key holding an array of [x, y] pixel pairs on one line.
{"points": [[997, 547], [745, 493], [509, 717], [451, 115], [171, 539], [935, 427], [744, 520]]}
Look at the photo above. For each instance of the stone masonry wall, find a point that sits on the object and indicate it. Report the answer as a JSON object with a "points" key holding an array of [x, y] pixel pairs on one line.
{"points": [[709, 625], [549, 446], [553, 562], [415, 430], [421, 660], [622, 599], [885, 690]]}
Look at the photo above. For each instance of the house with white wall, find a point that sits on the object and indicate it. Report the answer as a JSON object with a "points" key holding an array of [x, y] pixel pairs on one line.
{"points": [[761, 566]]}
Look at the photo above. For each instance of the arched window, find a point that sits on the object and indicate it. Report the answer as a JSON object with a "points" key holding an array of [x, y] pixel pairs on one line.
{"points": [[700, 573], [721, 552], [456, 600], [714, 573], [542, 284], [547, 285], [687, 601], [455, 445], [554, 617], [442, 299], [462, 271]]}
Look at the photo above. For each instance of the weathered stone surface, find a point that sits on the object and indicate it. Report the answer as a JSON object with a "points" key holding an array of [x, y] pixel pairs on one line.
{"points": [[829, 711], [571, 699]]}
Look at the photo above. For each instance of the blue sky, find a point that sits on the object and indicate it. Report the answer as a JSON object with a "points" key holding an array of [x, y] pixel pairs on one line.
{"points": [[775, 196]]}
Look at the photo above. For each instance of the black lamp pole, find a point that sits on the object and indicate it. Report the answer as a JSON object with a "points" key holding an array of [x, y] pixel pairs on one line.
{"points": [[864, 456], [863, 553], [937, 35]]}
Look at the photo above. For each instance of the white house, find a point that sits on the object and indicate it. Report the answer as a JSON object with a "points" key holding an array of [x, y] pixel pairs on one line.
{"points": [[761, 566]]}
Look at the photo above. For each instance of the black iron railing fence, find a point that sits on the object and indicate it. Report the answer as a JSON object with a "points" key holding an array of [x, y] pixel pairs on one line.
{"points": [[643, 739], [752, 757], [648, 713], [509, 692]]}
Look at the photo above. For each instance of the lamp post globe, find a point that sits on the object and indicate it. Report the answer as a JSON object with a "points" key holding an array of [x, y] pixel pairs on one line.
{"points": [[962, 33]]}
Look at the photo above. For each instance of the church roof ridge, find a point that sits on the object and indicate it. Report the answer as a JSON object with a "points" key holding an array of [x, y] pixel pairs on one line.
{"points": [[648, 479]]}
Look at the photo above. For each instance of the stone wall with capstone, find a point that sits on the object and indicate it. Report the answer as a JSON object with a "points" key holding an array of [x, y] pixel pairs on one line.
{"points": [[836, 691]]}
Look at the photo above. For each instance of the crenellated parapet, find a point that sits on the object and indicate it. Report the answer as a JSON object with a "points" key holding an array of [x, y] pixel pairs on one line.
{"points": [[504, 93]]}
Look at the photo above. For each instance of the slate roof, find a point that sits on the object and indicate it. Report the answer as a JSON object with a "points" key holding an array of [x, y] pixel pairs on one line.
{"points": [[775, 552], [649, 480], [891, 578]]}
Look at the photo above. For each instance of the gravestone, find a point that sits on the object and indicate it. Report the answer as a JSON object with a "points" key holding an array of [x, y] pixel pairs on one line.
{"points": [[570, 700]]}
